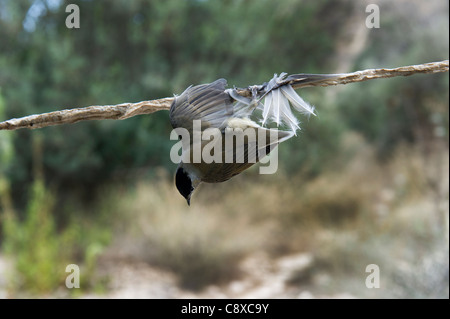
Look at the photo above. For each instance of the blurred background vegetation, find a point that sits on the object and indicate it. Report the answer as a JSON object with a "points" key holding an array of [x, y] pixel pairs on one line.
{"points": [[364, 182]]}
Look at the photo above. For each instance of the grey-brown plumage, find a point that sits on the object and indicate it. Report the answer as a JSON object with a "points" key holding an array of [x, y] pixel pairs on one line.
{"points": [[216, 109], [206, 102]]}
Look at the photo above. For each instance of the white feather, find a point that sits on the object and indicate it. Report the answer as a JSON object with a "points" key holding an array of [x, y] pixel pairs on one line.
{"points": [[287, 116], [267, 107], [276, 106], [298, 103]]}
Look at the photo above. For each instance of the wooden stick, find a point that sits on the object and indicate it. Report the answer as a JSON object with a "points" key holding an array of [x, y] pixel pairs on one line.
{"points": [[126, 110]]}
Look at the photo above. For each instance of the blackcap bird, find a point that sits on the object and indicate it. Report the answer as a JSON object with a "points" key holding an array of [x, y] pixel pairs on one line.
{"points": [[223, 113]]}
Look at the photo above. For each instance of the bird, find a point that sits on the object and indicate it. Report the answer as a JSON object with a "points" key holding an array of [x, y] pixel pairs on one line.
{"points": [[223, 112]]}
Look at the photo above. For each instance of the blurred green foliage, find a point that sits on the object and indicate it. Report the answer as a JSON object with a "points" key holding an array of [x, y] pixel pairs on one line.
{"points": [[413, 109], [35, 244], [6, 146], [41, 251]]}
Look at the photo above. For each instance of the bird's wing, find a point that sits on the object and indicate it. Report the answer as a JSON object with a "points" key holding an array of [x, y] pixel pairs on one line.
{"points": [[206, 102], [257, 148], [252, 149]]}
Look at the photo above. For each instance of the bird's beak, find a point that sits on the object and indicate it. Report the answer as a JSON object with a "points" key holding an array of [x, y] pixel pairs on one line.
{"points": [[188, 199]]}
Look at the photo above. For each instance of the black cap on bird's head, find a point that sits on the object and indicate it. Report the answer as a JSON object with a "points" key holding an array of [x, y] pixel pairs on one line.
{"points": [[184, 184]]}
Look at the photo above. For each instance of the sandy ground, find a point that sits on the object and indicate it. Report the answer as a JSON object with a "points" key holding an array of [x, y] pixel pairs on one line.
{"points": [[262, 278]]}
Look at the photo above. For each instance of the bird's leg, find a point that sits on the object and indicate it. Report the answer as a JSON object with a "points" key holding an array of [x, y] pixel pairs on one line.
{"points": [[255, 89]]}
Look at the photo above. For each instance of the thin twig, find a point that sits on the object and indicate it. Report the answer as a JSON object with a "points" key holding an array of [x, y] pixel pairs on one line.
{"points": [[126, 110], [103, 112], [370, 74]]}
